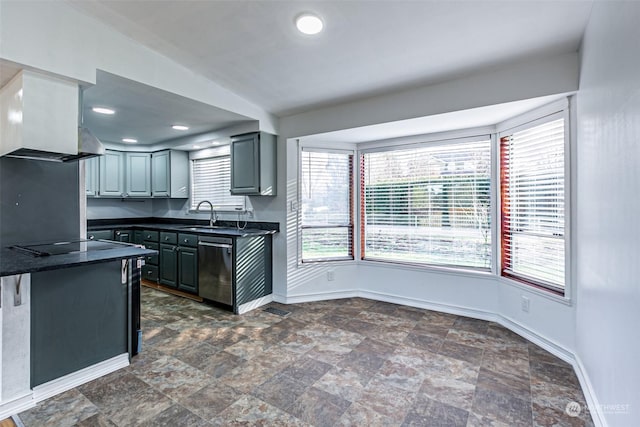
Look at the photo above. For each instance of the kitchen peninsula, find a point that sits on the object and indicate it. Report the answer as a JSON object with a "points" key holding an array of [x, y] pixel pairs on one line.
{"points": [[66, 316]]}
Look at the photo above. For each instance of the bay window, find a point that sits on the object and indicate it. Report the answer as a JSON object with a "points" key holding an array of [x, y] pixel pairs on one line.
{"points": [[428, 204]]}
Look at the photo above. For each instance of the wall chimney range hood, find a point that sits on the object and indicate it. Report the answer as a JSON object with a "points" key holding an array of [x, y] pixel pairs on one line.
{"points": [[39, 116]]}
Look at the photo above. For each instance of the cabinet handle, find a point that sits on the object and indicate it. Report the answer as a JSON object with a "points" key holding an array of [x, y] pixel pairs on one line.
{"points": [[186, 240]]}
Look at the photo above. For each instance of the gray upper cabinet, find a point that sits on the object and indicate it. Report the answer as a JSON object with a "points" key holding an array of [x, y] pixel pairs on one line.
{"points": [[170, 174], [253, 164], [91, 176], [112, 174], [135, 174], [138, 174]]}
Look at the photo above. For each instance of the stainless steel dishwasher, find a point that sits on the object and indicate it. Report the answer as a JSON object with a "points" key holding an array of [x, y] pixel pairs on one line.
{"points": [[215, 269]]}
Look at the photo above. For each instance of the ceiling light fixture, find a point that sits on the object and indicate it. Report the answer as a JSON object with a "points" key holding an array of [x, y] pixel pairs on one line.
{"points": [[196, 146], [215, 143], [130, 140], [180, 127], [103, 110], [308, 23]]}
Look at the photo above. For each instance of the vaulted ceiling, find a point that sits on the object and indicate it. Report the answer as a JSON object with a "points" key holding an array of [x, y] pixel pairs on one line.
{"points": [[367, 47]]}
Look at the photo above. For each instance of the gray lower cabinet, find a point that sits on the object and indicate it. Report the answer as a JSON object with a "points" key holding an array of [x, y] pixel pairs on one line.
{"points": [[178, 267], [168, 267], [137, 174], [188, 269], [168, 271], [188, 263], [150, 240], [253, 164]]}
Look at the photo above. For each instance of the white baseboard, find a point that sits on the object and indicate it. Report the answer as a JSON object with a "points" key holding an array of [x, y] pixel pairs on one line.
{"points": [[17, 405], [90, 373], [319, 296], [428, 305], [589, 394], [252, 305]]}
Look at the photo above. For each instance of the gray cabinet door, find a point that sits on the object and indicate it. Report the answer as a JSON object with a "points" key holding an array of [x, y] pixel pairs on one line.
{"points": [[112, 174], [138, 174], [161, 174], [188, 269], [245, 164], [168, 265], [91, 176]]}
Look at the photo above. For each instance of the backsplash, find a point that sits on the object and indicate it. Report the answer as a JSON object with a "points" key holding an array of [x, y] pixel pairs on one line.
{"points": [[106, 208], [119, 208]]}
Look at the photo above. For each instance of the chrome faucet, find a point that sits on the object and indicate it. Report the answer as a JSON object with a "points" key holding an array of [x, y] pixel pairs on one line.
{"points": [[214, 216]]}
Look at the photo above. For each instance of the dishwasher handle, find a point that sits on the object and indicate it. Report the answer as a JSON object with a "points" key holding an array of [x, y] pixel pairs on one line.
{"points": [[215, 245]]}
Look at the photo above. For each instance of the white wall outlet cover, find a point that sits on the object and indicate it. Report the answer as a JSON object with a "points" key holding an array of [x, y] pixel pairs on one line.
{"points": [[331, 275], [525, 304]]}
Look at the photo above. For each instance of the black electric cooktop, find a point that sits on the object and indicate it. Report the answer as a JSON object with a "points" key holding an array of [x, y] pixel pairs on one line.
{"points": [[67, 247]]}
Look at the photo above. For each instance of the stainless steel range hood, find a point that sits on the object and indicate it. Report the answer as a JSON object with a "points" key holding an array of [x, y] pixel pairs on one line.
{"points": [[88, 146]]}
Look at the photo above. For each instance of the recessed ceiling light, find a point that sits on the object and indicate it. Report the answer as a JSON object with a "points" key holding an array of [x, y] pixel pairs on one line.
{"points": [[196, 146], [103, 110], [308, 23], [180, 127], [130, 140]]}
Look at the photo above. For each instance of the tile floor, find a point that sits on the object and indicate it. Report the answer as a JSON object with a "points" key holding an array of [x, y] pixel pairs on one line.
{"points": [[352, 362]]}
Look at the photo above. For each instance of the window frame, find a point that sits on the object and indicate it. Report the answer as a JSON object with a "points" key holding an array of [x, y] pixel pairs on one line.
{"points": [[353, 208], [433, 140], [556, 110]]}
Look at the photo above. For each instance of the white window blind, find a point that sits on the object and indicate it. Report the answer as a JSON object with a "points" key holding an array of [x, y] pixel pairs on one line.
{"points": [[211, 180], [326, 204], [428, 205], [533, 205]]}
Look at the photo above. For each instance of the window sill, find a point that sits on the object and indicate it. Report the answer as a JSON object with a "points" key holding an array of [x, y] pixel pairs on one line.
{"points": [[456, 271], [308, 264]]}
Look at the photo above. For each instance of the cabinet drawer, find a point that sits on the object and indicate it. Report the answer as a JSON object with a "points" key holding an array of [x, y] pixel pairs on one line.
{"points": [[151, 259], [100, 235], [150, 272], [188, 240], [151, 236], [168, 238]]}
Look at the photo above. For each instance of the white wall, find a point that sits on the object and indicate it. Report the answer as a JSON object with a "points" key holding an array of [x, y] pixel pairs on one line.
{"points": [[510, 82], [608, 266]]}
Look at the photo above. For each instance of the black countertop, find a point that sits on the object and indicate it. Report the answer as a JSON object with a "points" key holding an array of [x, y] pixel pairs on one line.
{"points": [[14, 262], [226, 228]]}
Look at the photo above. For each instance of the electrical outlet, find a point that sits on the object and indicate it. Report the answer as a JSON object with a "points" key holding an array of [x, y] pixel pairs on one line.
{"points": [[525, 304], [331, 275]]}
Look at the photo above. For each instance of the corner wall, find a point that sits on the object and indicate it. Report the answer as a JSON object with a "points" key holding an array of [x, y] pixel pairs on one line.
{"points": [[608, 267]]}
